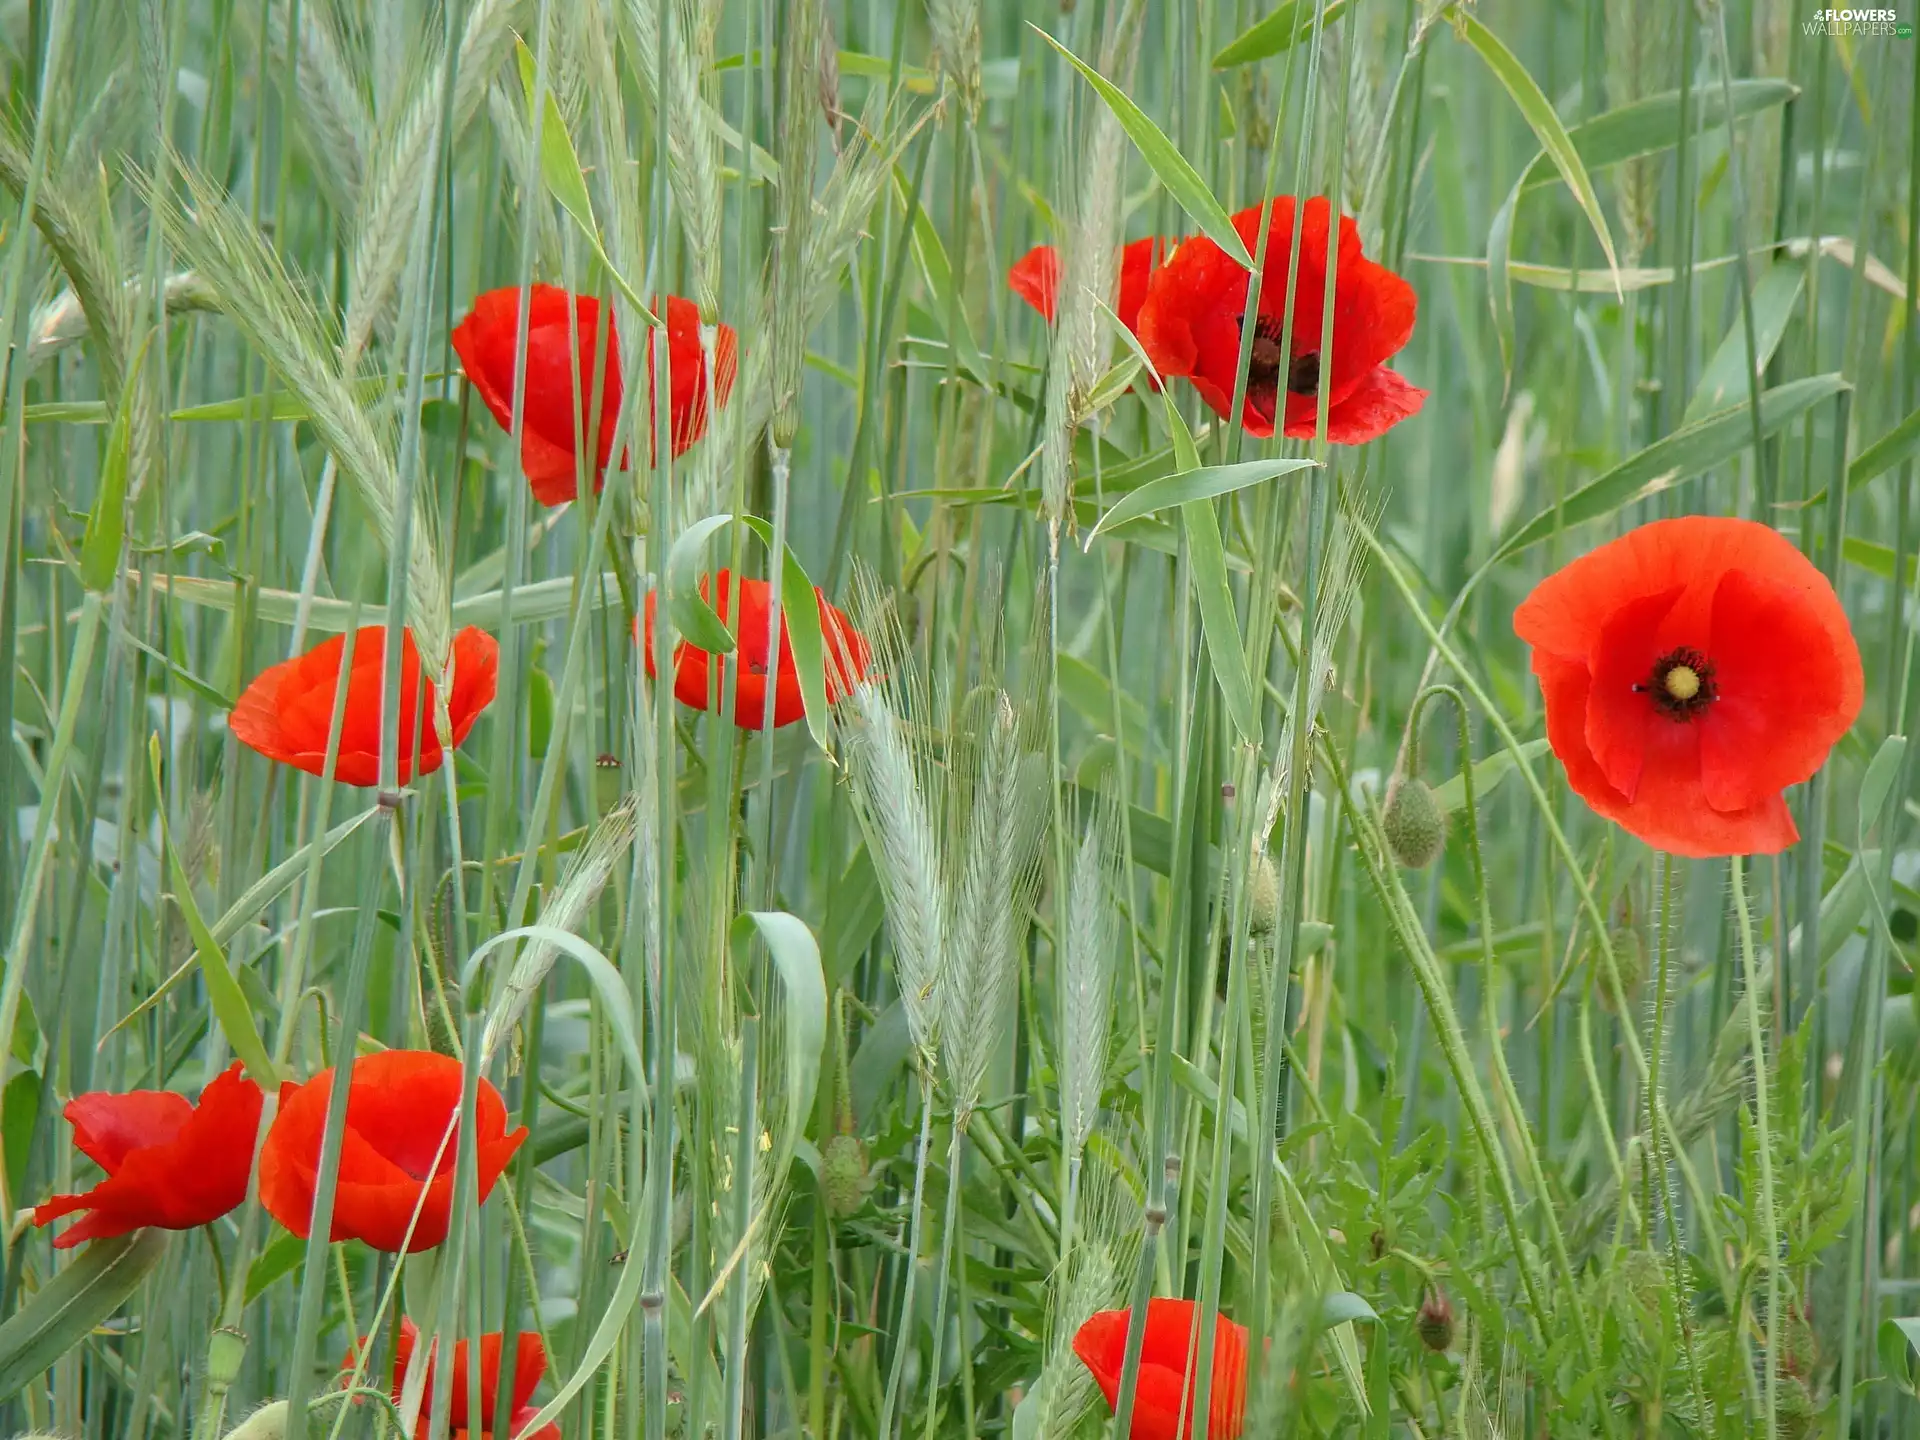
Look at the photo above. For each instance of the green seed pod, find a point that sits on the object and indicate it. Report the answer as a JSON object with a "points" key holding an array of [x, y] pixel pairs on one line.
{"points": [[1415, 826], [1435, 1321], [1263, 895], [225, 1350], [844, 1180]]}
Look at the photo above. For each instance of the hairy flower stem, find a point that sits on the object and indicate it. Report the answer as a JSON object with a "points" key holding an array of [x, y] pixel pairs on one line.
{"points": [[1763, 1138], [1662, 1141]]}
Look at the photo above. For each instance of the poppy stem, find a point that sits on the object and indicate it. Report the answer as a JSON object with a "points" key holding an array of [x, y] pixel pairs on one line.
{"points": [[1659, 1138], [903, 1331], [1769, 1222]]}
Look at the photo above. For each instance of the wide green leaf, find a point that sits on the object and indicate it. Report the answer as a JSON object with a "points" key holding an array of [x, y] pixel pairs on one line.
{"points": [[803, 1008], [1189, 485], [1287, 25], [1207, 559], [1721, 383], [1652, 125], [1488, 772], [693, 616], [1886, 452], [70, 1306], [1646, 127], [1181, 180], [1686, 452], [805, 631]]}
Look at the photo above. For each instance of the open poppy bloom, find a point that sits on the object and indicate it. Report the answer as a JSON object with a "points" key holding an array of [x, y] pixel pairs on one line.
{"points": [[485, 341], [1190, 323], [1692, 670], [1035, 278], [1101, 1344], [287, 712], [845, 651], [400, 1107], [169, 1163], [529, 1364]]}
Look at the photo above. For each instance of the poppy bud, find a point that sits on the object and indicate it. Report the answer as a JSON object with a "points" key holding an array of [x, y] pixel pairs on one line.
{"points": [[844, 1180], [1263, 895], [1415, 826], [269, 1422], [1435, 1321], [1796, 1416]]}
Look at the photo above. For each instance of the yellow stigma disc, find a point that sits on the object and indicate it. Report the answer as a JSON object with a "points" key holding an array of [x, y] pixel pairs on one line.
{"points": [[1683, 682]]}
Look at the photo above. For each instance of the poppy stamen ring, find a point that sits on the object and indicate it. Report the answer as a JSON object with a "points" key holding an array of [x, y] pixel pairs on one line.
{"points": [[1682, 684]]}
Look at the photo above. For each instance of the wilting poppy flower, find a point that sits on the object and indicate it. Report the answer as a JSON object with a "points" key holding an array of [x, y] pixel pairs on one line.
{"points": [[287, 711], [1035, 278], [845, 649], [169, 1163], [485, 340], [1101, 1344], [529, 1364], [399, 1106], [1693, 669], [1190, 324]]}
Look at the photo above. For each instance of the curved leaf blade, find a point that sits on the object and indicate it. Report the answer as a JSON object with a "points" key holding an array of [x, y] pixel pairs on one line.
{"points": [[1544, 123], [1183, 182], [1685, 453], [693, 617], [1290, 22], [1202, 484]]}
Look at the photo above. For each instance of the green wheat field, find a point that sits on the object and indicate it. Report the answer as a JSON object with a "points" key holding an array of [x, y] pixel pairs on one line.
{"points": [[651, 751]]}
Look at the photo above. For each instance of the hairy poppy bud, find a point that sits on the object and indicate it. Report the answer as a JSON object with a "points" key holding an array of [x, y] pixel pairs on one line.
{"points": [[1263, 895], [1435, 1321], [844, 1181], [1415, 826]]}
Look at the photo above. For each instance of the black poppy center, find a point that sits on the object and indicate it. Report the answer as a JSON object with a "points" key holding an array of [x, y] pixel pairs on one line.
{"points": [[1303, 376], [1267, 362], [1681, 685]]}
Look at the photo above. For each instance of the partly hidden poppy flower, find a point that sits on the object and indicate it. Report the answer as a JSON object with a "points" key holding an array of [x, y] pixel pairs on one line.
{"points": [[1101, 1344], [557, 322], [400, 1105], [1190, 324], [1692, 670], [169, 1162], [287, 712], [529, 1364], [1035, 278], [845, 650]]}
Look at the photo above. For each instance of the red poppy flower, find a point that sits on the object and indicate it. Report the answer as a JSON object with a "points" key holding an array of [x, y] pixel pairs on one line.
{"points": [[846, 652], [1101, 1344], [485, 339], [1190, 324], [529, 1364], [1692, 670], [169, 1163], [1035, 278], [399, 1105], [287, 711]]}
